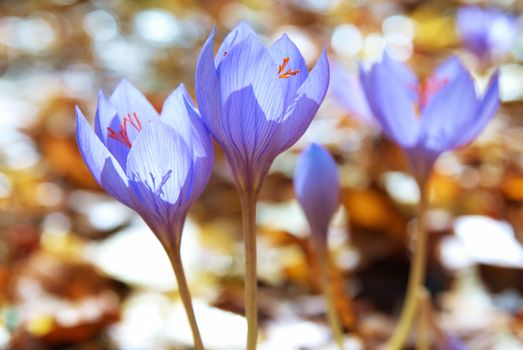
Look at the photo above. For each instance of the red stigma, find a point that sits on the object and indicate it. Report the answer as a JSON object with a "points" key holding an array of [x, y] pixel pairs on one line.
{"points": [[429, 88], [122, 136], [225, 53], [289, 72]]}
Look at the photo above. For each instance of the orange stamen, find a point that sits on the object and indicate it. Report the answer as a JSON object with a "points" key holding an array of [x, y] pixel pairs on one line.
{"points": [[281, 67], [289, 72]]}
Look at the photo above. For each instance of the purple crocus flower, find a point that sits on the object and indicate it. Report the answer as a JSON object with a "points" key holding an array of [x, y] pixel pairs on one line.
{"points": [[156, 164], [486, 32], [345, 87], [317, 187], [257, 101], [431, 117]]}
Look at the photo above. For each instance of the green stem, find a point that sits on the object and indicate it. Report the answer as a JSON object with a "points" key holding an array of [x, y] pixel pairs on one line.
{"points": [[337, 332], [248, 205], [416, 278], [176, 262]]}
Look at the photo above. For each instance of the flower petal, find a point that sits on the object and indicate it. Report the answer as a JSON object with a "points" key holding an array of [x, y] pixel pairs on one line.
{"points": [[346, 89], [445, 74], [316, 183], [282, 49], [252, 103], [102, 165], [487, 109], [179, 112], [302, 110], [449, 70], [161, 182], [208, 90], [503, 30], [473, 29], [401, 73], [236, 35], [108, 119], [129, 101], [105, 117], [391, 102], [449, 114], [250, 64]]}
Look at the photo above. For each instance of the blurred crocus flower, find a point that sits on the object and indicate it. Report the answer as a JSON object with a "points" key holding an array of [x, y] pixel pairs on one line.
{"points": [[257, 101], [486, 32], [428, 118], [157, 164], [317, 187], [346, 89]]}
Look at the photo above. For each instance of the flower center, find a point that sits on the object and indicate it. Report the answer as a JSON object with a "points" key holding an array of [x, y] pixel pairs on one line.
{"points": [[289, 72], [429, 88], [122, 136]]}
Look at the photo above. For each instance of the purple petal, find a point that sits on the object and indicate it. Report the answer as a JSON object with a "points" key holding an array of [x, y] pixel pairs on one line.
{"points": [[449, 113], [101, 163], [449, 70], [473, 29], [208, 90], [131, 103], [445, 74], [250, 64], [161, 181], [487, 109], [316, 183], [401, 73], [107, 119], [282, 49], [252, 107], [179, 112], [251, 138], [236, 35], [346, 88], [503, 28], [391, 102], [302, 110]]}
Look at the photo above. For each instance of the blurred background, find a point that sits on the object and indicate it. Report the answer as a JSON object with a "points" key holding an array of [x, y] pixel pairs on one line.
{"points": [[78, 270]]}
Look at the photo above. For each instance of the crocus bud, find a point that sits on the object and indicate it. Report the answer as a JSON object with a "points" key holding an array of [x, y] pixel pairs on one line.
{"points": [[317, 187]]}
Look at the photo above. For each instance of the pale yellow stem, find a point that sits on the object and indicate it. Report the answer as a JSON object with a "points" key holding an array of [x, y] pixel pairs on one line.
{"points": [[337, 332], [416, 278], [248, 205]]}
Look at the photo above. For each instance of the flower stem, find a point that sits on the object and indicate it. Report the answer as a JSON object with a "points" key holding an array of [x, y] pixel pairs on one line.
{"points": [[423, 334], [248, 205], [416, 278], [337, 332], [176, 262]]}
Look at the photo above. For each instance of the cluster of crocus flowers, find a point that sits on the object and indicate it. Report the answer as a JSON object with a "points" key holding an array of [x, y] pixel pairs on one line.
{"points": [[488, 33], [156, 164], [256, 102], [426, 119], [317, 187]]}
